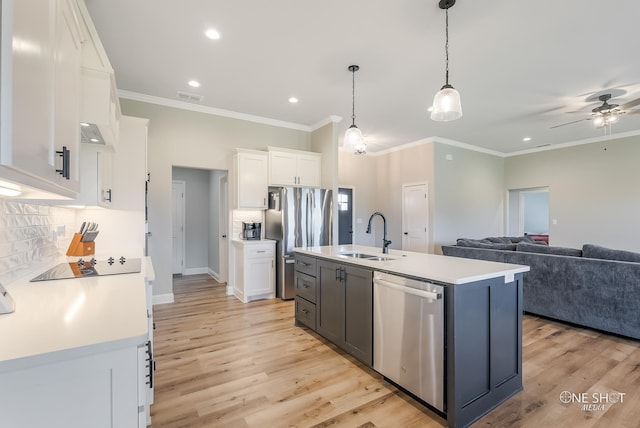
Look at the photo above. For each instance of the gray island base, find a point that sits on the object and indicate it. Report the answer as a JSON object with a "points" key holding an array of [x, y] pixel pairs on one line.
{"points": [[481, 328]]}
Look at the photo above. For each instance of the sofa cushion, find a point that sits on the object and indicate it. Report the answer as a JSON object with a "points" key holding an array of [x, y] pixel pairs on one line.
{"points": [[597, 252], [483, 243], [499, 239], [545, 249]]}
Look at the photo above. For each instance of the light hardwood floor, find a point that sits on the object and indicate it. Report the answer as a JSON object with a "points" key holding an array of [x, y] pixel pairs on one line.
{"points": [[222, 363]]}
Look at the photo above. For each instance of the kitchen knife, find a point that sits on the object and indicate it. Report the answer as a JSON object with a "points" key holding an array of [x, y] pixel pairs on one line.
{"points": [[84, 223], [90, 236]]}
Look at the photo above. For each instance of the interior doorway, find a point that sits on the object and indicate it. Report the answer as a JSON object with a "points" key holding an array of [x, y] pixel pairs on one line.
{"points": [[415, 217], [528, 212], [345, 216], [177, 226]]}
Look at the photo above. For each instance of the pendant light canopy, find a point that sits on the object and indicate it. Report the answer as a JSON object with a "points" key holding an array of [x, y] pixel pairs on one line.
{"points": [[353, 138], [446, 103]]}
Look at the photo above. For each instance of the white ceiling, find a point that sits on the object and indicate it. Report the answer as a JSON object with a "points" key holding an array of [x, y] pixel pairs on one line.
{"points": [[521, 66]]}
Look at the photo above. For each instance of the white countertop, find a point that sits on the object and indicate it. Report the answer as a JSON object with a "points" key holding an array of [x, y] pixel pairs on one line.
{"points": [[62, 319], [446, 269]]}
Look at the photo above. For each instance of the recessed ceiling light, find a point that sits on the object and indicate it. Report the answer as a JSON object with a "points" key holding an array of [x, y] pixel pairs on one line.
{"points": [[293, 100], [525, 139], [194, 83], [212, 34]]}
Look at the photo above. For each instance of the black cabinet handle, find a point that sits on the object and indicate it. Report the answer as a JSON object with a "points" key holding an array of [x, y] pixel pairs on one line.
{"points": [[305, 311], [65, 154], [107, 198], [338, 274]]}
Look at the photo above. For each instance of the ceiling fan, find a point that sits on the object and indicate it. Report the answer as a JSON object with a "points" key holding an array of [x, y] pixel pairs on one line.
{"points": [[606, 114]]}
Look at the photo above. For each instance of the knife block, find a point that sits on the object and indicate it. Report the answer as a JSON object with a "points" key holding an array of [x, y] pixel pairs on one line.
{"points": [[77, 248]]}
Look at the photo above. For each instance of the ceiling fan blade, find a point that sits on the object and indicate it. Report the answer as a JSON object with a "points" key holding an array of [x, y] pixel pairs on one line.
{"points": [[569, 123], [630, 104]]}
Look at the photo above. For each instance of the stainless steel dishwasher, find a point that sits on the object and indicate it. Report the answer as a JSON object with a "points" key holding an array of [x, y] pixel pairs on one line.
{"points": [[408, 335]]}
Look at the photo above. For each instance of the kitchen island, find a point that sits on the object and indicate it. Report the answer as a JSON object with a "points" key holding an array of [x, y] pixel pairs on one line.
{"points": [[480, 329], [74, 353]]}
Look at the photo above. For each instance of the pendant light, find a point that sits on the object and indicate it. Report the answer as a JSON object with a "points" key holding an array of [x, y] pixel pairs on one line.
{"points": [[353, 138], [446, 103]]}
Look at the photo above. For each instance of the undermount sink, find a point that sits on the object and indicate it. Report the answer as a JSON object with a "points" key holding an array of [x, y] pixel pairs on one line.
{"points": [[366, 256]]}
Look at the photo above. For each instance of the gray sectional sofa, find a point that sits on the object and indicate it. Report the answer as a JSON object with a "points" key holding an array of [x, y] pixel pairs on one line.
{"points": [[594, 286]]}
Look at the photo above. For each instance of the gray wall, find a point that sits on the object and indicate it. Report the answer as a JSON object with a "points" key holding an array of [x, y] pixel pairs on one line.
{"points": [[411, 165], [197, 140], [536, 212], [359, 172], [594, 191], [468, 195], [197, 212]]}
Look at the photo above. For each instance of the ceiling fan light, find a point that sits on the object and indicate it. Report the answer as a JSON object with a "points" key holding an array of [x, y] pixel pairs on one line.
{"points": [[446, 105], [598, 121], [612, 119]]}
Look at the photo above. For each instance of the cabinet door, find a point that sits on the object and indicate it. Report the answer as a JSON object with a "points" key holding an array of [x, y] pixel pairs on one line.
{"points": [[66, 89], [105, 178], [359, 313], [253, 185], [27, 87], [331, 298], [259, 278], [282, 169], [308, 170]]}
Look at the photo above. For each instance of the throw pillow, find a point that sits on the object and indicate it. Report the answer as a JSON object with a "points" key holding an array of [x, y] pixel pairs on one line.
{"points": [[544, 249], [597, 252], [482, 243]]}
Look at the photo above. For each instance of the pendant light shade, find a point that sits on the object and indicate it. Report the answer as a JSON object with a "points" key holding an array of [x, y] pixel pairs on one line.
{"points": [[353, 138], [446, 103]]}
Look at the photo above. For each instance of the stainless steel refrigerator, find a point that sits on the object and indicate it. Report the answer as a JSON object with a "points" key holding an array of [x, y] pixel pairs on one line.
{"points": [[297, 217]]}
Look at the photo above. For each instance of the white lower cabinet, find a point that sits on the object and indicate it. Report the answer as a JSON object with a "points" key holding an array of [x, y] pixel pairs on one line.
{"points": [[99, 390], [254, 270]]}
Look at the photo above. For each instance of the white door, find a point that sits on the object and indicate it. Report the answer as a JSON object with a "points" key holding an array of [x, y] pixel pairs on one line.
{"points": [[223, 228], [415, 218], [177, 226]]}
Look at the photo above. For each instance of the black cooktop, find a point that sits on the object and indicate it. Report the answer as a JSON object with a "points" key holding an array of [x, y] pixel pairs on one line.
{"points": [[83, 269]]}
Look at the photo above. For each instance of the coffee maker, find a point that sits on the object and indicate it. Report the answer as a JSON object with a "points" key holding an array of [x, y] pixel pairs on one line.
{"points": [[251, 230]]}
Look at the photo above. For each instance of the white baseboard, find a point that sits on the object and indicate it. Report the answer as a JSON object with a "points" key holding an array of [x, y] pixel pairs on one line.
{"points": [[230, 290], [196, 271], [161, 299], [214, 275]]}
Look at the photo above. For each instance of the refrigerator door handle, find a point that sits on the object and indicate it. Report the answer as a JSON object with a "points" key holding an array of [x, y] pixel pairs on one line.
{"points": [[289, 261]]}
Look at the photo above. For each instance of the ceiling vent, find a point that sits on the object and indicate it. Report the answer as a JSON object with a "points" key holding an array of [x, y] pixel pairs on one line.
{"points": [[186, 96]]}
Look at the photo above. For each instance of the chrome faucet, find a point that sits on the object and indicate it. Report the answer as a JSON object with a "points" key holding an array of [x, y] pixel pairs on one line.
{"points": [[385, 241]]}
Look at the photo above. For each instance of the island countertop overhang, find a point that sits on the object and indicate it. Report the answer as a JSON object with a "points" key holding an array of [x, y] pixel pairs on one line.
{"points": [[445, 269]]}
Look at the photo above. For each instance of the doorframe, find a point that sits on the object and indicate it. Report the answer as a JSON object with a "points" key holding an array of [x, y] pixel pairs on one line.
{"points": [[223, 226], [426, 201], [183, 186], [353, 212]]}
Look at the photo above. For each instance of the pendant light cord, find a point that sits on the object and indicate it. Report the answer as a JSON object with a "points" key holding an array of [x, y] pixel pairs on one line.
{"points": [[446, 45], [353, 97]]}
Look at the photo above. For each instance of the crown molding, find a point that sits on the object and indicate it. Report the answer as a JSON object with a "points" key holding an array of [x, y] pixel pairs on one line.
{"points": [[575, 143], [135, 96], [325, 122]]}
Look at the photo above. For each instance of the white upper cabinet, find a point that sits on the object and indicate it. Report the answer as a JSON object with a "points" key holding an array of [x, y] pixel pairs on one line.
{"points": [[97, 176], [99, 105], [251, 181], [294, 168], [39, 112]]}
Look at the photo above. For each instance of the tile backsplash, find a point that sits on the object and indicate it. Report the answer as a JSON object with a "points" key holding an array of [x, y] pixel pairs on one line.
{"points": [[32, 235], [238, 216]]}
